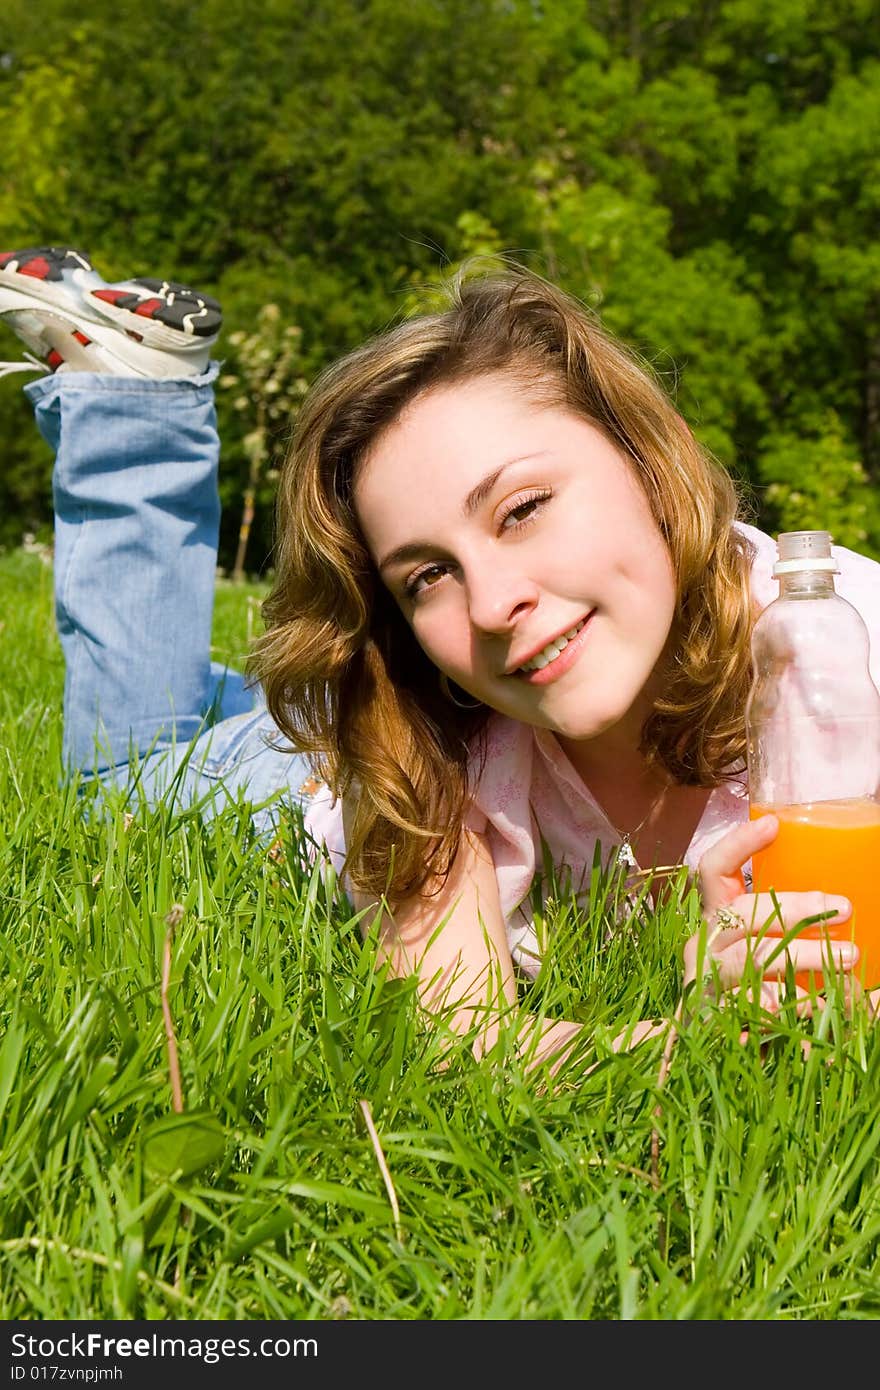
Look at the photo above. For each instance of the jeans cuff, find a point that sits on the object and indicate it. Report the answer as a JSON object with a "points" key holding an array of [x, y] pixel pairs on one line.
{"points": [[103, 383]]}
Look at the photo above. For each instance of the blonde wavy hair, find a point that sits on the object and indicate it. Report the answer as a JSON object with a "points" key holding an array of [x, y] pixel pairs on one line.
{"points": [[343, 675]]}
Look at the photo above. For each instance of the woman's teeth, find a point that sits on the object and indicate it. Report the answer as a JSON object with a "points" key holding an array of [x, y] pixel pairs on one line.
{"points": [[552, 650]]}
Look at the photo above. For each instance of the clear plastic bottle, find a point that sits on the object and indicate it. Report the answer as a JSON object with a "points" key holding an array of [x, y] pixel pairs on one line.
{"points": [[813, 730]]}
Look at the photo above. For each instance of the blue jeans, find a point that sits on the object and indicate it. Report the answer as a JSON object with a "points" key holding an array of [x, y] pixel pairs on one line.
{"points": [[136, 525]]}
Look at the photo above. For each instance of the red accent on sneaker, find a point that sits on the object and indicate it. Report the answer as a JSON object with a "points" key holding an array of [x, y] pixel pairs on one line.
{"points": [[148, 307], [111, 296], [54, 359], [5, 258], [81, 337], [38, 268]]}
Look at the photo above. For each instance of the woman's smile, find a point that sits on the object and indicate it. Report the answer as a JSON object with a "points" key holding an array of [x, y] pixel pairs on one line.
{"points": [[557, 657]]}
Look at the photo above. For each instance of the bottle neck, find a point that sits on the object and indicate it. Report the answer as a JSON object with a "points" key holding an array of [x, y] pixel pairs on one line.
{"points": [[806, 583]]}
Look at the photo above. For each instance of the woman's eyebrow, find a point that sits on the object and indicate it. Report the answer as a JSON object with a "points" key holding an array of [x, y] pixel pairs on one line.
{"points": [[480, 492], [403, 554], [413, 550]]}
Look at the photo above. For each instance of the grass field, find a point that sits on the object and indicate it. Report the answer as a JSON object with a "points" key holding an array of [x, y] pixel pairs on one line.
{"points": [[328, 1156]]}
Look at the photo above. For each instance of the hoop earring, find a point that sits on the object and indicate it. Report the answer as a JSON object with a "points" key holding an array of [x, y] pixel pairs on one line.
{"points": [[446, 691]]}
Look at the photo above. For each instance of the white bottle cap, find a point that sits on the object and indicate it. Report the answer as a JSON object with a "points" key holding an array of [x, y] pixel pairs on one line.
{"points": [[804, 550]]}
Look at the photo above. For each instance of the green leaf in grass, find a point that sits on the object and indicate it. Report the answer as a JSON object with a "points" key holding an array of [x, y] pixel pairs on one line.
{"points": [[183, 1144]]}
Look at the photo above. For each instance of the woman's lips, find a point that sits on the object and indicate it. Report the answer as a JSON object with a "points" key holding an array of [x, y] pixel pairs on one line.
{"points": [[561, 663]]}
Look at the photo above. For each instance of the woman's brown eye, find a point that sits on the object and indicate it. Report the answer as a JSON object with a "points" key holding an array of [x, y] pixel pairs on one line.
{"points": [[425, 579], [523, 511]]}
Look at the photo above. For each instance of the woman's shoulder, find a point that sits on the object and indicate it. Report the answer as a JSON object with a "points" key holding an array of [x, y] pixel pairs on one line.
{"points": [[858, 581]]}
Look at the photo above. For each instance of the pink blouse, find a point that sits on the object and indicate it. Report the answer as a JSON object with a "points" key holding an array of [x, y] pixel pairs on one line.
{"points": [[528, 791]]}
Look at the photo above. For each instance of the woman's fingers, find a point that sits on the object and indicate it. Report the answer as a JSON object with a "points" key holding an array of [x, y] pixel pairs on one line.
{"points": [[721, 866], [771, 994], [749, 913], [749, 927], [772, 962], [743, 930]]}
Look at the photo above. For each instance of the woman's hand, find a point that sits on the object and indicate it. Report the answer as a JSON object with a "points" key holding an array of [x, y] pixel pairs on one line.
{"points": [[738, 924]]}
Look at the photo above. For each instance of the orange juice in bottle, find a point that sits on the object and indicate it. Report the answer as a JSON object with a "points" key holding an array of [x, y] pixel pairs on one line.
{"points": [[834, 845], [813, 736]]}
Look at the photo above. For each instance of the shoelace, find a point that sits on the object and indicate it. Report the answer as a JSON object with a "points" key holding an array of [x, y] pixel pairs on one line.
{"points": [[31, 364]]}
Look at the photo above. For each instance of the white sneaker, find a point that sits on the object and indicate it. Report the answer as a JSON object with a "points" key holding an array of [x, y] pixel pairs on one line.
{"points": [[73, 321]]}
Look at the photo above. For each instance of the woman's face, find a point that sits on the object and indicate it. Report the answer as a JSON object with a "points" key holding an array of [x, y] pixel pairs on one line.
{"points": [[522, 551]]}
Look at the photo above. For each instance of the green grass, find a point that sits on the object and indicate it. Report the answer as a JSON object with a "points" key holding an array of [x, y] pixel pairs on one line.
{"points": [[508, 1198]]}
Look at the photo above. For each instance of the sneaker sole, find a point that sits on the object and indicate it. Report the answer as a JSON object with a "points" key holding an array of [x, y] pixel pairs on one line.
{"points": [[173, 305], [44, 264], [38, 273]]}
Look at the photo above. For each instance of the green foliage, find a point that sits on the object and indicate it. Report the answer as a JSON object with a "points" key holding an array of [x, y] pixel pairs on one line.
{"points": [[265, 386], [704, 176], [819, 484], [177, 1146]]}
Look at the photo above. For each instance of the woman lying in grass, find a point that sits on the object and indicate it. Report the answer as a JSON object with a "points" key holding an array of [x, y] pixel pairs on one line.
{"points": [[511, 617]]}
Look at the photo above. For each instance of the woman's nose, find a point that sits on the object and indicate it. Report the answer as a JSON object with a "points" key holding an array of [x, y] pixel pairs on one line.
{"points": [[498, 596]]}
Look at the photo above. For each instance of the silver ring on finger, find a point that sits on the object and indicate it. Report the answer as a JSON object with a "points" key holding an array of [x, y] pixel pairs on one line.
{"points": [[727, 918]]}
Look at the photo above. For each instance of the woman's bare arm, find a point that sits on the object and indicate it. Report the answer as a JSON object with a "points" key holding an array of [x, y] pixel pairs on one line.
{"points": [[456, 943]]}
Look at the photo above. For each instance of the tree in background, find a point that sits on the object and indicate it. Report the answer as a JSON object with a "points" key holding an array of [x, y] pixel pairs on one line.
{"points": [[267, 387], [703, 175]]}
